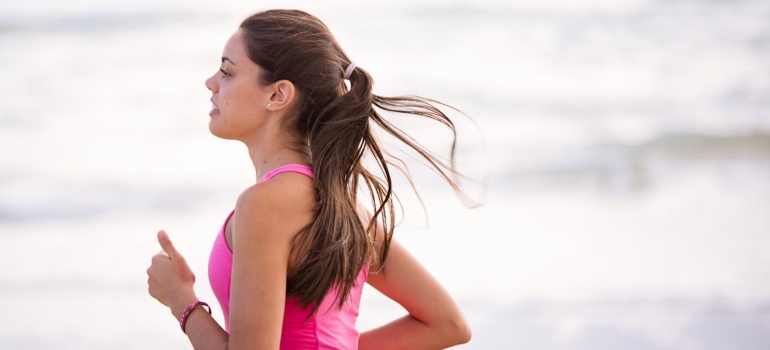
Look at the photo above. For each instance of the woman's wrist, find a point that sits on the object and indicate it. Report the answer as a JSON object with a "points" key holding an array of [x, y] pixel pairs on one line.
{"points": [[181, 303], [188, 310]]}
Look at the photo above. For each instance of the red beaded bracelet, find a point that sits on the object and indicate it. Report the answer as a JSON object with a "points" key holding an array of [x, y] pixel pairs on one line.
{"points": [[189, 309]]}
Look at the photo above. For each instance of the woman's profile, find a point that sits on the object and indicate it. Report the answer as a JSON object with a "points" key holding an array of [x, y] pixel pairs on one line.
{"points": [[290, 261]]}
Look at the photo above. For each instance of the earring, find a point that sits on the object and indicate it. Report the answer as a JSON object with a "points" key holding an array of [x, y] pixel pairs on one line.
{"points": [[268, 105]]}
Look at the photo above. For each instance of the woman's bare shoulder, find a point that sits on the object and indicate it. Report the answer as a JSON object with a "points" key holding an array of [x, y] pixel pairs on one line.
{"points": [[286, 190], [287, 200]]}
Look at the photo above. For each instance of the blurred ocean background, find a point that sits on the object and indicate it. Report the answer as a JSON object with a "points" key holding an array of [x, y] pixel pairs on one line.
{"points": [[624, 146]]}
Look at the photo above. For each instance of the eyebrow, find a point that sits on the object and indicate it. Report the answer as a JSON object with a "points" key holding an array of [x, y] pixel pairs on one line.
{"points": [[228, 60]]}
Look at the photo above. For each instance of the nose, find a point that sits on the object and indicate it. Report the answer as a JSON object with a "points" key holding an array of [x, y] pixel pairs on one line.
{"points": [[211, 83]]}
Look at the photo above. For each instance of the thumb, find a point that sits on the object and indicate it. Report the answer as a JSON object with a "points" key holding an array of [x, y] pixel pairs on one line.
{"points": [[166, 244]]}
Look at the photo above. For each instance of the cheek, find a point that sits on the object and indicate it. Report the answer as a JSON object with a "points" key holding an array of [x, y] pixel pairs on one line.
{"points": [[233, 100], [239, 114]]}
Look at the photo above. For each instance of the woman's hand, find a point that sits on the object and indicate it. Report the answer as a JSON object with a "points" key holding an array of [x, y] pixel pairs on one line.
{"points": [[170, 279]]}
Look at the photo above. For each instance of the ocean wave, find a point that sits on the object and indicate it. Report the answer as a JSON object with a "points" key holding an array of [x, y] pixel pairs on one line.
{"points": [[22, 202], [98, 22], [623, 166]]}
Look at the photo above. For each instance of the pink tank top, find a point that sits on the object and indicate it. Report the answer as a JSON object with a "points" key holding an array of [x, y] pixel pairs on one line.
{"points": [[330, 328]]}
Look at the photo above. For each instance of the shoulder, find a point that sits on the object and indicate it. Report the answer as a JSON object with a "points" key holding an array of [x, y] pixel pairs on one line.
{"points": [[285, 191], [377, 233], [365, 214], [280, 207]]}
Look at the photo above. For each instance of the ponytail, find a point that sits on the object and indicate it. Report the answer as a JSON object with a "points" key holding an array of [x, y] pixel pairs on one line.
{"points": [[336, 246]]}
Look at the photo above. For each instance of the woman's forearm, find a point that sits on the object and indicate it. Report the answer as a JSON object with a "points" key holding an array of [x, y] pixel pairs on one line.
{"points": [[408, 333], [203, 331]]}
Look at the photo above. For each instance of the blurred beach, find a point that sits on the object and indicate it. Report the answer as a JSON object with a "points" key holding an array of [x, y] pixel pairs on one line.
{"points": [[623, 151]]}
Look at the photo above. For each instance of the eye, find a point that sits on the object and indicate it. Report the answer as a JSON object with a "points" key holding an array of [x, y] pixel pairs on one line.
{"points": [[226, 74]]}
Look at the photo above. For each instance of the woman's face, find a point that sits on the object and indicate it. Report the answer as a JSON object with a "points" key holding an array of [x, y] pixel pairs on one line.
{"points": [[238, 99]]}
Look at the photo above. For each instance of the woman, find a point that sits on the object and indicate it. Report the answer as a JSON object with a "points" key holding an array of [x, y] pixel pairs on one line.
{"points": [[290, 261]]}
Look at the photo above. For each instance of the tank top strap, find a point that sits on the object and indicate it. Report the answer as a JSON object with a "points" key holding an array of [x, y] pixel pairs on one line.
{"points": [[294, 168]]}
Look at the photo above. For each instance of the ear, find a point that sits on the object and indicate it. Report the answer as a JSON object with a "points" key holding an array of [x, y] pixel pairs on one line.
{"points": [[283, 95]]}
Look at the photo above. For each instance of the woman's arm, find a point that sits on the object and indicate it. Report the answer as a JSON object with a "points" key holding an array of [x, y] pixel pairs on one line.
{"points": [[267, 216], [170, 281], [434, 320]]}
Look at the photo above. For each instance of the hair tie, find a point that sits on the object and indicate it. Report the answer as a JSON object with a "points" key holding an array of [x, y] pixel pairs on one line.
{"points": [[349, 70]]}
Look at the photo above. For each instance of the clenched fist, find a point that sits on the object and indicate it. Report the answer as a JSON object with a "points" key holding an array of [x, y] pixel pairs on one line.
{"points": [[170, 279]]}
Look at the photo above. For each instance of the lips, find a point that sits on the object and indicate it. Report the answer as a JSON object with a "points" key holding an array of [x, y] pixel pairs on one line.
{"points": [[214, 109]]}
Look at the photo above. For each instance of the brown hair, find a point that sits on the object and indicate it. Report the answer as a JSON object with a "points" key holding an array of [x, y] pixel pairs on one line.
{"points": [[337, 125]]}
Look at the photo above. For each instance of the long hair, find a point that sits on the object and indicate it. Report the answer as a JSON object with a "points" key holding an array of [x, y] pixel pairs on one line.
{"points": [[337, 125]]}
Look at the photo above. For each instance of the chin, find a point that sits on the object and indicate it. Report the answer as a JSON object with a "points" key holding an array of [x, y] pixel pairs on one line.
{"points": [[215, 131], [220, 133]]}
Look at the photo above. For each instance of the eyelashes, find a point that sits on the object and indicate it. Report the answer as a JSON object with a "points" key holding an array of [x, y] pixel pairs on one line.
{"points": [[225, 74]]}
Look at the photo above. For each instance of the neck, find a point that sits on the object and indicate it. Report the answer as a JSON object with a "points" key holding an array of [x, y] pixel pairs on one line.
{"points": [[269, 153]]}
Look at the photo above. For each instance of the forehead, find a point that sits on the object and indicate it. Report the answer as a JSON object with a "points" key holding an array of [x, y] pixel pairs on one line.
{"points": [[235, 48]]}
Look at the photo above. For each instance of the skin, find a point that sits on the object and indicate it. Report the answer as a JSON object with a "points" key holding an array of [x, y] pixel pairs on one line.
{"points": [[267, 216]]}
